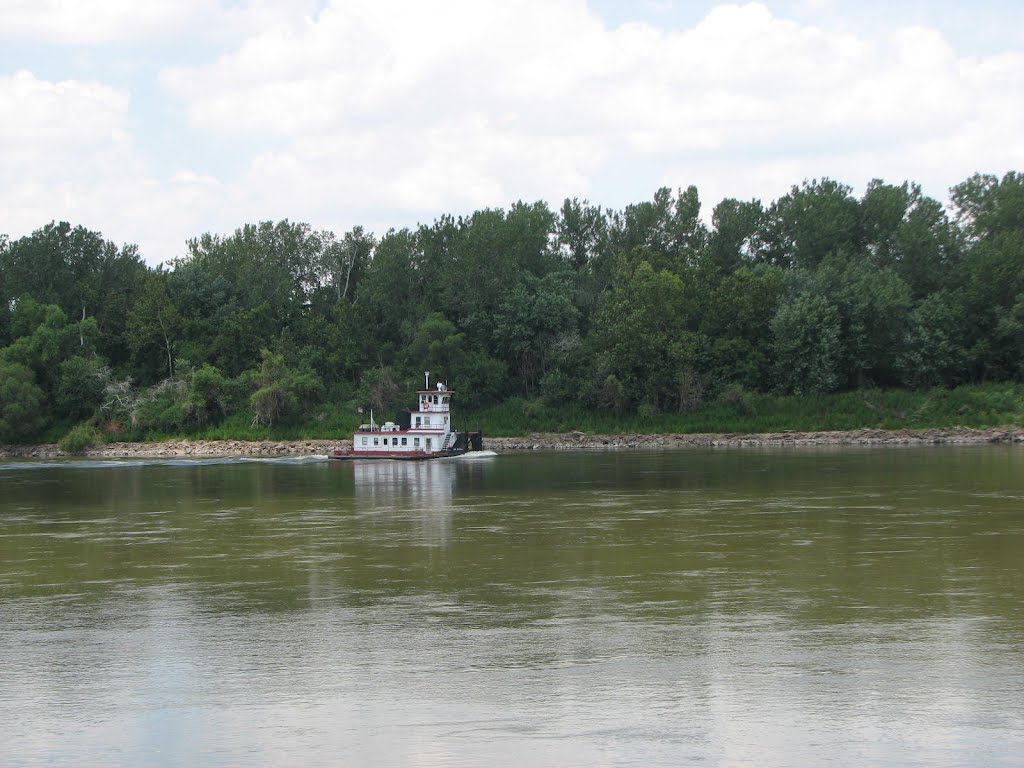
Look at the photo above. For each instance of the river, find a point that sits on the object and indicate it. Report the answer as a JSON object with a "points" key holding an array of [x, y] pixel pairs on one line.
{"points": [[779, 607]]}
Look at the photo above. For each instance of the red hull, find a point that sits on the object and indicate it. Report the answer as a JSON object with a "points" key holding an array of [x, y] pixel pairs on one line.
{"points": [[393, 455]]}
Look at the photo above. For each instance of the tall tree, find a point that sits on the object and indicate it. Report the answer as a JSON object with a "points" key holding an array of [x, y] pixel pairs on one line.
{"points": [[736, 233], [669, 226], [807, 345], [394, 295], [21, 402], [815, 219], [874, 306], [645, 352], [932, 351], [990, 212], [343, 262], [582, 233], [80, 272], [155, 325], [530, 319]]}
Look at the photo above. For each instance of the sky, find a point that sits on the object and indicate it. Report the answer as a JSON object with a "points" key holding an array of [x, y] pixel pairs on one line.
{"points": [[159, 121]]}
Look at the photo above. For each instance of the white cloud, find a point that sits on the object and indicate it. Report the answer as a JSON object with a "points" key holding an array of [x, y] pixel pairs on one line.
{"points": [[67, 153], [388, 112], [40, 113], [436, 97], [94, 22]]}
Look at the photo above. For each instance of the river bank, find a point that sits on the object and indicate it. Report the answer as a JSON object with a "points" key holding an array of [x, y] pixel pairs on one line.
{"points": [[544, 442]]}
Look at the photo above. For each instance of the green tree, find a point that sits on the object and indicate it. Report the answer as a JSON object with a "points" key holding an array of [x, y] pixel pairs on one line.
{"points": [[988, 207], [21, 402], [78, 271], [275, 264], [815, 219], [874, 306], [529, 321], [80, 386], [392, 296], [932, 352], [807, 347], [645, 351], [737, 229], [439, 347], [43, 339], [735, 313], [206, 396], [344, 262], [582, 231], [990, 213], [236, 294], [155, 324], [473, 263], [669, 228], [283, 395]]}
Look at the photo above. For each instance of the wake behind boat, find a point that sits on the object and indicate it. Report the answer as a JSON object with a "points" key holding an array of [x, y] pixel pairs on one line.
{"points": [[426, 433]]}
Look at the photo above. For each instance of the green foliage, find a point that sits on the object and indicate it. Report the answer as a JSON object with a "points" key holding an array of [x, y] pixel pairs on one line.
{"points": [[393, 296], [162, 409], [283, 395], [931, 351], [873, 304], [79, 439], [21, 402], [77, 271], [439, 347], [669, 226], [154, 327], [532, 316], [379, 391], [642, 331], [740, 411], [61, 357], [737, 233], [814, 220], [80, 386], [206, 396], [807, 345], [582, 234], [643, 315]]}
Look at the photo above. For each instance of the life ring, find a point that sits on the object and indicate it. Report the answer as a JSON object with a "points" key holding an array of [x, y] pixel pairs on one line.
{"points": [[426, 405]]}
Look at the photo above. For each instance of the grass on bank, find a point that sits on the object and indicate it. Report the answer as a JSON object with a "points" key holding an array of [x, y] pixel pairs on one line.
{"points": [[977, 406]]}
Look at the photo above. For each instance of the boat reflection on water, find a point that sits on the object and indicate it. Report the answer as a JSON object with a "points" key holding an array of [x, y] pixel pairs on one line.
{"points": [[420, 491], [425, 493], [426, 484]]}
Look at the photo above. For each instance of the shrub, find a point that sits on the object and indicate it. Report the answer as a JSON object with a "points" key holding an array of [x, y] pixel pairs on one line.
{"points": [[736, 397], [647, 411], [79, 439]]}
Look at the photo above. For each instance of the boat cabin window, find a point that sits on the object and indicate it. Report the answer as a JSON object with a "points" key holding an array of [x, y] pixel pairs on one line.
{"points": [[427, 443], [364, 441], [416, 442], [405, 441], [376, 441]]}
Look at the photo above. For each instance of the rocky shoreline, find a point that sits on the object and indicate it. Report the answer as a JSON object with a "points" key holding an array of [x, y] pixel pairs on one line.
{"points": [[545, 442]]}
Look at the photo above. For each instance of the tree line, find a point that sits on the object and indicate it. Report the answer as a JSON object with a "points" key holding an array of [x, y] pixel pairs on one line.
{"points": [[646, 310]]}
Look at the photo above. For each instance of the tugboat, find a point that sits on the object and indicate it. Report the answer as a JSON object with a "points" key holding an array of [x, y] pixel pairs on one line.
{"points": [[425, 433]]}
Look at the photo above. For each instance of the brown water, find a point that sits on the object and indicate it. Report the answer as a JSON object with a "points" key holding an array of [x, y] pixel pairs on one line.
{"points": [[763, 608]]}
